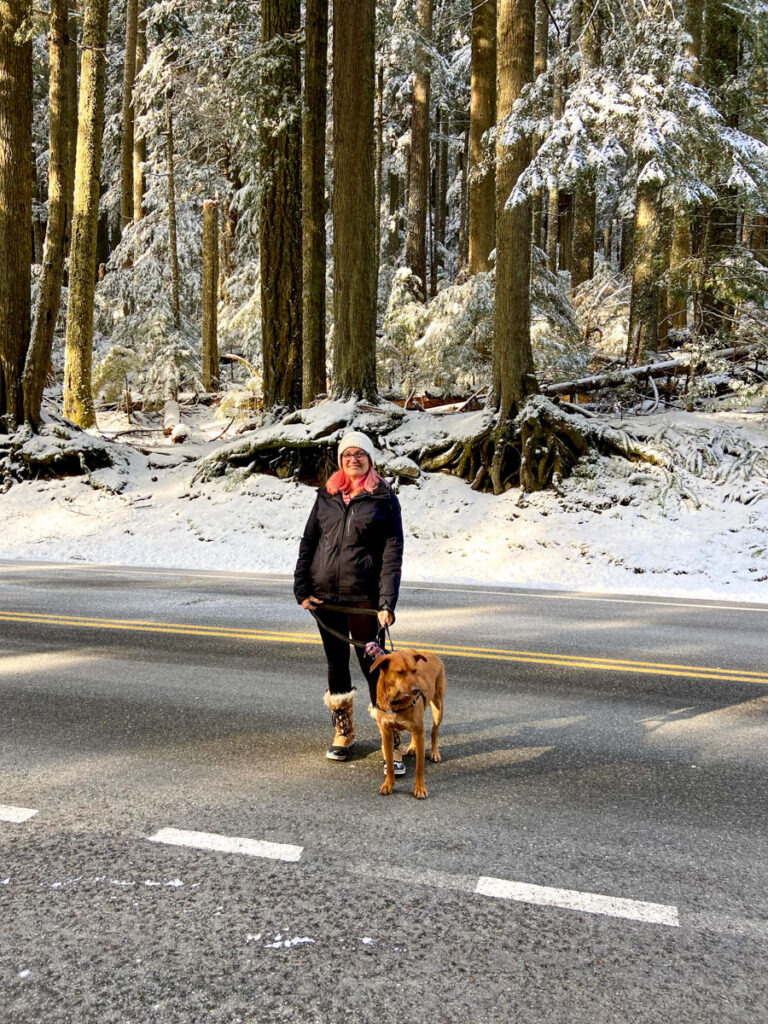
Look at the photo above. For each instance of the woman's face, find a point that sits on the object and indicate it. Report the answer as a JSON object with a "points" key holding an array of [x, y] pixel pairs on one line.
{"points": [[355, 463]]}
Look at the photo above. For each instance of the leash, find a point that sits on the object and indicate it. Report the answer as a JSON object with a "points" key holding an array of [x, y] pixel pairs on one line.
{"points": [[383, 633]]}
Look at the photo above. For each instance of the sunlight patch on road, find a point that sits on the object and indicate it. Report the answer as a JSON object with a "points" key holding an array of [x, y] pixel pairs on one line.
{"points": [[489, 758], [44, 662]]}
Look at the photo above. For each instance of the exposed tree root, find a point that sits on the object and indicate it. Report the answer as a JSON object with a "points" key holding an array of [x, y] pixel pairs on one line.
{"points": [[535, 451], [58, 449]]}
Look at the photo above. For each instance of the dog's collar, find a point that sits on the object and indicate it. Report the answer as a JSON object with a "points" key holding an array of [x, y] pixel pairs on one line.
{"points": [[397, 711]]}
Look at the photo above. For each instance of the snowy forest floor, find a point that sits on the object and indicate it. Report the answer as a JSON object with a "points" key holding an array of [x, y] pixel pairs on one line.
{"points": [[696, 526]]}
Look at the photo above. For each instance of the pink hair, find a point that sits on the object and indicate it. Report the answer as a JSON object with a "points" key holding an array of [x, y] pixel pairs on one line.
{"points": [[341, 482]]}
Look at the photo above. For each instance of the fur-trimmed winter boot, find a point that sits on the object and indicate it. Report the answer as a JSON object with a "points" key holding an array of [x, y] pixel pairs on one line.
{"points": [[342, 714]]}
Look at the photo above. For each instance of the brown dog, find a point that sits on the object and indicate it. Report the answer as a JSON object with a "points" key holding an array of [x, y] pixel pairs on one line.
{"points": [[408, 681]]}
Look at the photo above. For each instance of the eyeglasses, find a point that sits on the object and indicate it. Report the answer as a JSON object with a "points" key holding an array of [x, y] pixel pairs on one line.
{"points": [[356, 456]]}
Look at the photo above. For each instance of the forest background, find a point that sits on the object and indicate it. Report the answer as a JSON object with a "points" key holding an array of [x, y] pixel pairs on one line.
{"points": [[270, 205]]}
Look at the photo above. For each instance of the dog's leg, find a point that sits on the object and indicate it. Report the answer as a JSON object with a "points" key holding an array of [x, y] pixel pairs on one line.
{"points": [[388, 750], [437, 717], [419, 789]]}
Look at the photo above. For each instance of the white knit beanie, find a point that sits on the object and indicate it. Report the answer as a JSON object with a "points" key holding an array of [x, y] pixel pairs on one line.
{"points": [[355, 439]]}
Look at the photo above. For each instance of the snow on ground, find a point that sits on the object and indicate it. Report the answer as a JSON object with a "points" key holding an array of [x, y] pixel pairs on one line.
{"points": [[698, 529]]}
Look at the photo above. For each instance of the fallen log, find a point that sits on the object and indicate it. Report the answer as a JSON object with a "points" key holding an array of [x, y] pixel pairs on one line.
{"points": [[669, 368]]}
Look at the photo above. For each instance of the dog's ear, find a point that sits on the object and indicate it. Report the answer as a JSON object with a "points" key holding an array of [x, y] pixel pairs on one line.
{"points": [[419, 657], [381, 660]]}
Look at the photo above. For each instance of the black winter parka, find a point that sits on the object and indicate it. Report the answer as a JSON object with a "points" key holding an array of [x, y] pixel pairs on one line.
{"points": [[352, 553]]}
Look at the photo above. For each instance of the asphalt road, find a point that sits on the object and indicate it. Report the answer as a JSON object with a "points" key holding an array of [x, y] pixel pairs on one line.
{"points": [[594, 847]]}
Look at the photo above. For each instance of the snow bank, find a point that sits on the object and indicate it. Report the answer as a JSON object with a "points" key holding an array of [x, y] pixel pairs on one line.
{"points": [[697, 530]]}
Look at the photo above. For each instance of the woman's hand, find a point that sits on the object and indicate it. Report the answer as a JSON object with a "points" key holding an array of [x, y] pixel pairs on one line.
{"points": [[310, 603], [386, 618]]}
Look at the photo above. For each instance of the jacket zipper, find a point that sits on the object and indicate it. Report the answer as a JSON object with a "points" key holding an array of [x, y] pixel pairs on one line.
{"points": [[345, 531]]}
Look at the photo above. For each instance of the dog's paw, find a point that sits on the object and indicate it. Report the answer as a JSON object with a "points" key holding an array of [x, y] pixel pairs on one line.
{"points": [[420, 792], [436, 756], [411, 751], [386, 787]]}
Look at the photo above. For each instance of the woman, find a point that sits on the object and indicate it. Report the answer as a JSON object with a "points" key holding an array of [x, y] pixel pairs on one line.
{"points": [[351, 554]]}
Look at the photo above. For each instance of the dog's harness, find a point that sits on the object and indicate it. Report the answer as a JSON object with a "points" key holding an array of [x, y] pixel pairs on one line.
{"points": [[397, 711]]}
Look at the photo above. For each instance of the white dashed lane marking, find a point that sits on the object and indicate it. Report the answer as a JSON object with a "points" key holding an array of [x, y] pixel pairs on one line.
{"points": [[16, 814], [227, 844], [587, 902]]}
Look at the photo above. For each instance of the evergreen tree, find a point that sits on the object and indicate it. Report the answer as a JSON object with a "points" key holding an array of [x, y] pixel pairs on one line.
{"points": [[513, 372], [482, 117], [354, 214], [280, 207], [313, 199], [78, 398], [62, 108], [15, 204], [418, 192]]}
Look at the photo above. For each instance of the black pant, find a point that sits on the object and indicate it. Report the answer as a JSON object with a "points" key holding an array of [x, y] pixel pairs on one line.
{"points": [[360, 627]]}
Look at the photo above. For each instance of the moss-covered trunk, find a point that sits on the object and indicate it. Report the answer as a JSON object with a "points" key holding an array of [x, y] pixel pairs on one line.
{"points": [[127, 134], [15, 207], [210, 294], [418, 193], [280, 208], [61, 180], [313, 239], [78, 399], [482, 117], [354, 227], [513, 372]]}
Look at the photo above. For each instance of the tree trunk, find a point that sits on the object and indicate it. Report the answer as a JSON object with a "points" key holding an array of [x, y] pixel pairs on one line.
{"points": [[15, 208], [313, 200], [210, 294], [280, 208], [418, 193], [354, 228], [627, 243], [464, 209], [694, 24], [71, 70], [229, 219], [482, 117], [78, 399], [379, 157], [139, 141], [720, 59], [553, 209], [513, 371], [439, 194], [127, 136], [680, 254], [541, 51], [584, 199], [644, 302], [61, 181], [565, 230], [173, 248], [38, 225], [393, 237]]}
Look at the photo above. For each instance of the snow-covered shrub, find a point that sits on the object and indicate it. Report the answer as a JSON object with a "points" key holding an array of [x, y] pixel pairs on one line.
{"points": [[114, 373], [446, 346]]}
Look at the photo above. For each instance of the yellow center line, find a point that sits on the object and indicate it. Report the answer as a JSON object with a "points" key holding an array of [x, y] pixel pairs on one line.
{"points": [[480, 653]]}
